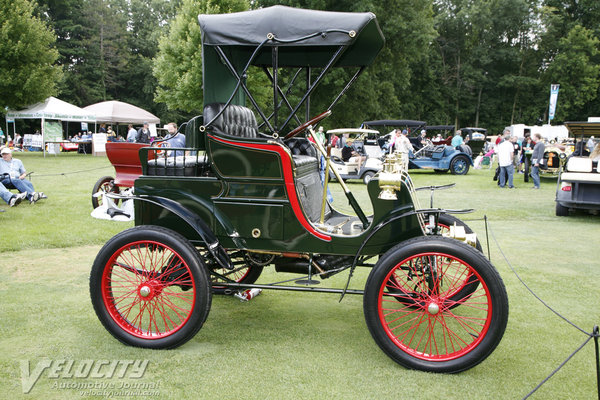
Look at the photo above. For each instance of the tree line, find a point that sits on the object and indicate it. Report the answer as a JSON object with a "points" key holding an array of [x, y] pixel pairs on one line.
{"points": [[487, 63]]}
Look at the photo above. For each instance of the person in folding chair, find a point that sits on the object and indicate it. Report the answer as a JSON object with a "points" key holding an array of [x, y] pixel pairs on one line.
{"points": [[12, 175]]}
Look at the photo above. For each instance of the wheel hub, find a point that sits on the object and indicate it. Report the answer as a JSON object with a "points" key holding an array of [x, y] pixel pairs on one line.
{"points": [[433, 308], [149, 290]]}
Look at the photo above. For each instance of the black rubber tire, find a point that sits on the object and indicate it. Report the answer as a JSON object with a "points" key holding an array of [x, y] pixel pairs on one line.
{"points": [[526, 169], [561, 211], [103, 184], [367, 176], [489, 307], [459, 165], [193, 291]]}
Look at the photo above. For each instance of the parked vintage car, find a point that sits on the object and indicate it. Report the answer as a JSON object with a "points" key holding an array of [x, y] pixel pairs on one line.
{"points": [[244, 196], [578, 186]]}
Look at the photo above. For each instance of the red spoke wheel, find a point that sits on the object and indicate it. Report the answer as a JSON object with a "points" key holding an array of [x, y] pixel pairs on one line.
{"points": [[435, 330], [105, 184], [150, 288], [247, 269]]}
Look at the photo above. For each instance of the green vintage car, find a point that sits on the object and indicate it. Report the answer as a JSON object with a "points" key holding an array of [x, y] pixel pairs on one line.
{"points": [[246, 194]]}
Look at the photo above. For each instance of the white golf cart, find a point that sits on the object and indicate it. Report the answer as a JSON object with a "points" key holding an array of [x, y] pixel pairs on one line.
{"points": [[353, 169]]}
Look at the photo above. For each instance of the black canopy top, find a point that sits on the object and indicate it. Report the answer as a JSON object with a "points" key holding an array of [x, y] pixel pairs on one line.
{"points": [[289, 27]]}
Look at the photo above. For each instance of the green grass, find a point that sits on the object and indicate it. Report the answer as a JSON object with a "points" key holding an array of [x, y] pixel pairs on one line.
{"points": [[285, 345]]}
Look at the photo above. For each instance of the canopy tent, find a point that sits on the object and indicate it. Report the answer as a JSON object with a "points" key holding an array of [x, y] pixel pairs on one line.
{"points": [[53, 109], [119, 112]]}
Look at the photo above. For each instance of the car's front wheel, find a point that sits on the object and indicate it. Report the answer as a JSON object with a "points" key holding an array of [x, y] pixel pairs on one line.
{"points": [[414, 314]]}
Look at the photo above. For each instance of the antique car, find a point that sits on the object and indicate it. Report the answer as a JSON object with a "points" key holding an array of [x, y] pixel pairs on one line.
{"points": [[578, 186], [439, 157], [244, 196], [477, 138]]}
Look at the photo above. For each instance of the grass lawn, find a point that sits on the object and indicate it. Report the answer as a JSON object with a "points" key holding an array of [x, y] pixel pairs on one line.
{"points": [[286, 345]]}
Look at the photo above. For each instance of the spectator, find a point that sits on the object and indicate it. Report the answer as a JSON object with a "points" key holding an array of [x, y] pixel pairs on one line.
{"points": [[11, 199], [349, 153], [423, 138], [143, 135], [537, 159], [457, 140], [131, 133], [13, 175], [506, 154], [595, 154], [174, 139], [527, 146], [102, 128], [517, 150]]}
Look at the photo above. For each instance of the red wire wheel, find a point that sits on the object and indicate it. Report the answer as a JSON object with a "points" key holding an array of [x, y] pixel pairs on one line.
{"points": [[435, 330], [150, 288], [247, 269]]}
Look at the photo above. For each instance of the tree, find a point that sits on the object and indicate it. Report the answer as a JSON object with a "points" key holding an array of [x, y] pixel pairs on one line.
{"points": [[178, 64], [28, 73], [578, 76]]}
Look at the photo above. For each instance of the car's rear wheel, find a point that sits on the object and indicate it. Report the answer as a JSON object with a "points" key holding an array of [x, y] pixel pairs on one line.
{"points": [[150, 288], [367, 176], [459, 165]]}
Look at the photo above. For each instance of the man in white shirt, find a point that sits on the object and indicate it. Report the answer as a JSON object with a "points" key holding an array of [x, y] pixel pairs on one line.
{"points": [[131, 134], [506, 152]]}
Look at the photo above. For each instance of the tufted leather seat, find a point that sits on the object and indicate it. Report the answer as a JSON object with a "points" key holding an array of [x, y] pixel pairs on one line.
{"points": [[235, 121]]}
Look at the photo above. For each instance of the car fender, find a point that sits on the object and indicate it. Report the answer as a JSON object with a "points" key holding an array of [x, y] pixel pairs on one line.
{"points": [[200, 227]]}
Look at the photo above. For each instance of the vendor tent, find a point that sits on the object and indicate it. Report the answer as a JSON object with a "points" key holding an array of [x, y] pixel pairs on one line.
{"points": [[118, 112], [51, 109]]}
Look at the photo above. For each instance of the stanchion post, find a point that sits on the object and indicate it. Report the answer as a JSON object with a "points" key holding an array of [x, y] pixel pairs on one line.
{"points": [[487, 238], [597, 361]]}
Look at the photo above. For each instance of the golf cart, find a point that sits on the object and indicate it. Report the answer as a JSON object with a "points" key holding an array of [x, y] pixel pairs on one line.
{"points": [[353, 168], [246, 195], [578, 185], [440, 157]]}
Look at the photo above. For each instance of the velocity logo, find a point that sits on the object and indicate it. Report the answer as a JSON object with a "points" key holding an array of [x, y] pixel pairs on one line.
{"points": [[83, 369]]}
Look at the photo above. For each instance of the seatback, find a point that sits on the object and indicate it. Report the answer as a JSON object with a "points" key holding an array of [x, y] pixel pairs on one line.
{"points": [[235, 120], [579, 164]]}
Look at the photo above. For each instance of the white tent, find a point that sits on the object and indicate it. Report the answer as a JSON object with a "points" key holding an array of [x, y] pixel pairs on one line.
{"points": [[51, 108], [119, 112]]}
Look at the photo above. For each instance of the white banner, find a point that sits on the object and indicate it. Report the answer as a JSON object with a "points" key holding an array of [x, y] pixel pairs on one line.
{"points": [[553, 99]]}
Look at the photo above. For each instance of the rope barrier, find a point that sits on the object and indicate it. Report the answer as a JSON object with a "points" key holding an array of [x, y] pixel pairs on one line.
{"points": [[69, 173], [590, 335]]}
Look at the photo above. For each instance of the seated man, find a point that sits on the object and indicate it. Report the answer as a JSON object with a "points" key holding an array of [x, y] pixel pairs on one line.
{"points": [[349, 153], [10, 198], [174, 139], [12, 175]]}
